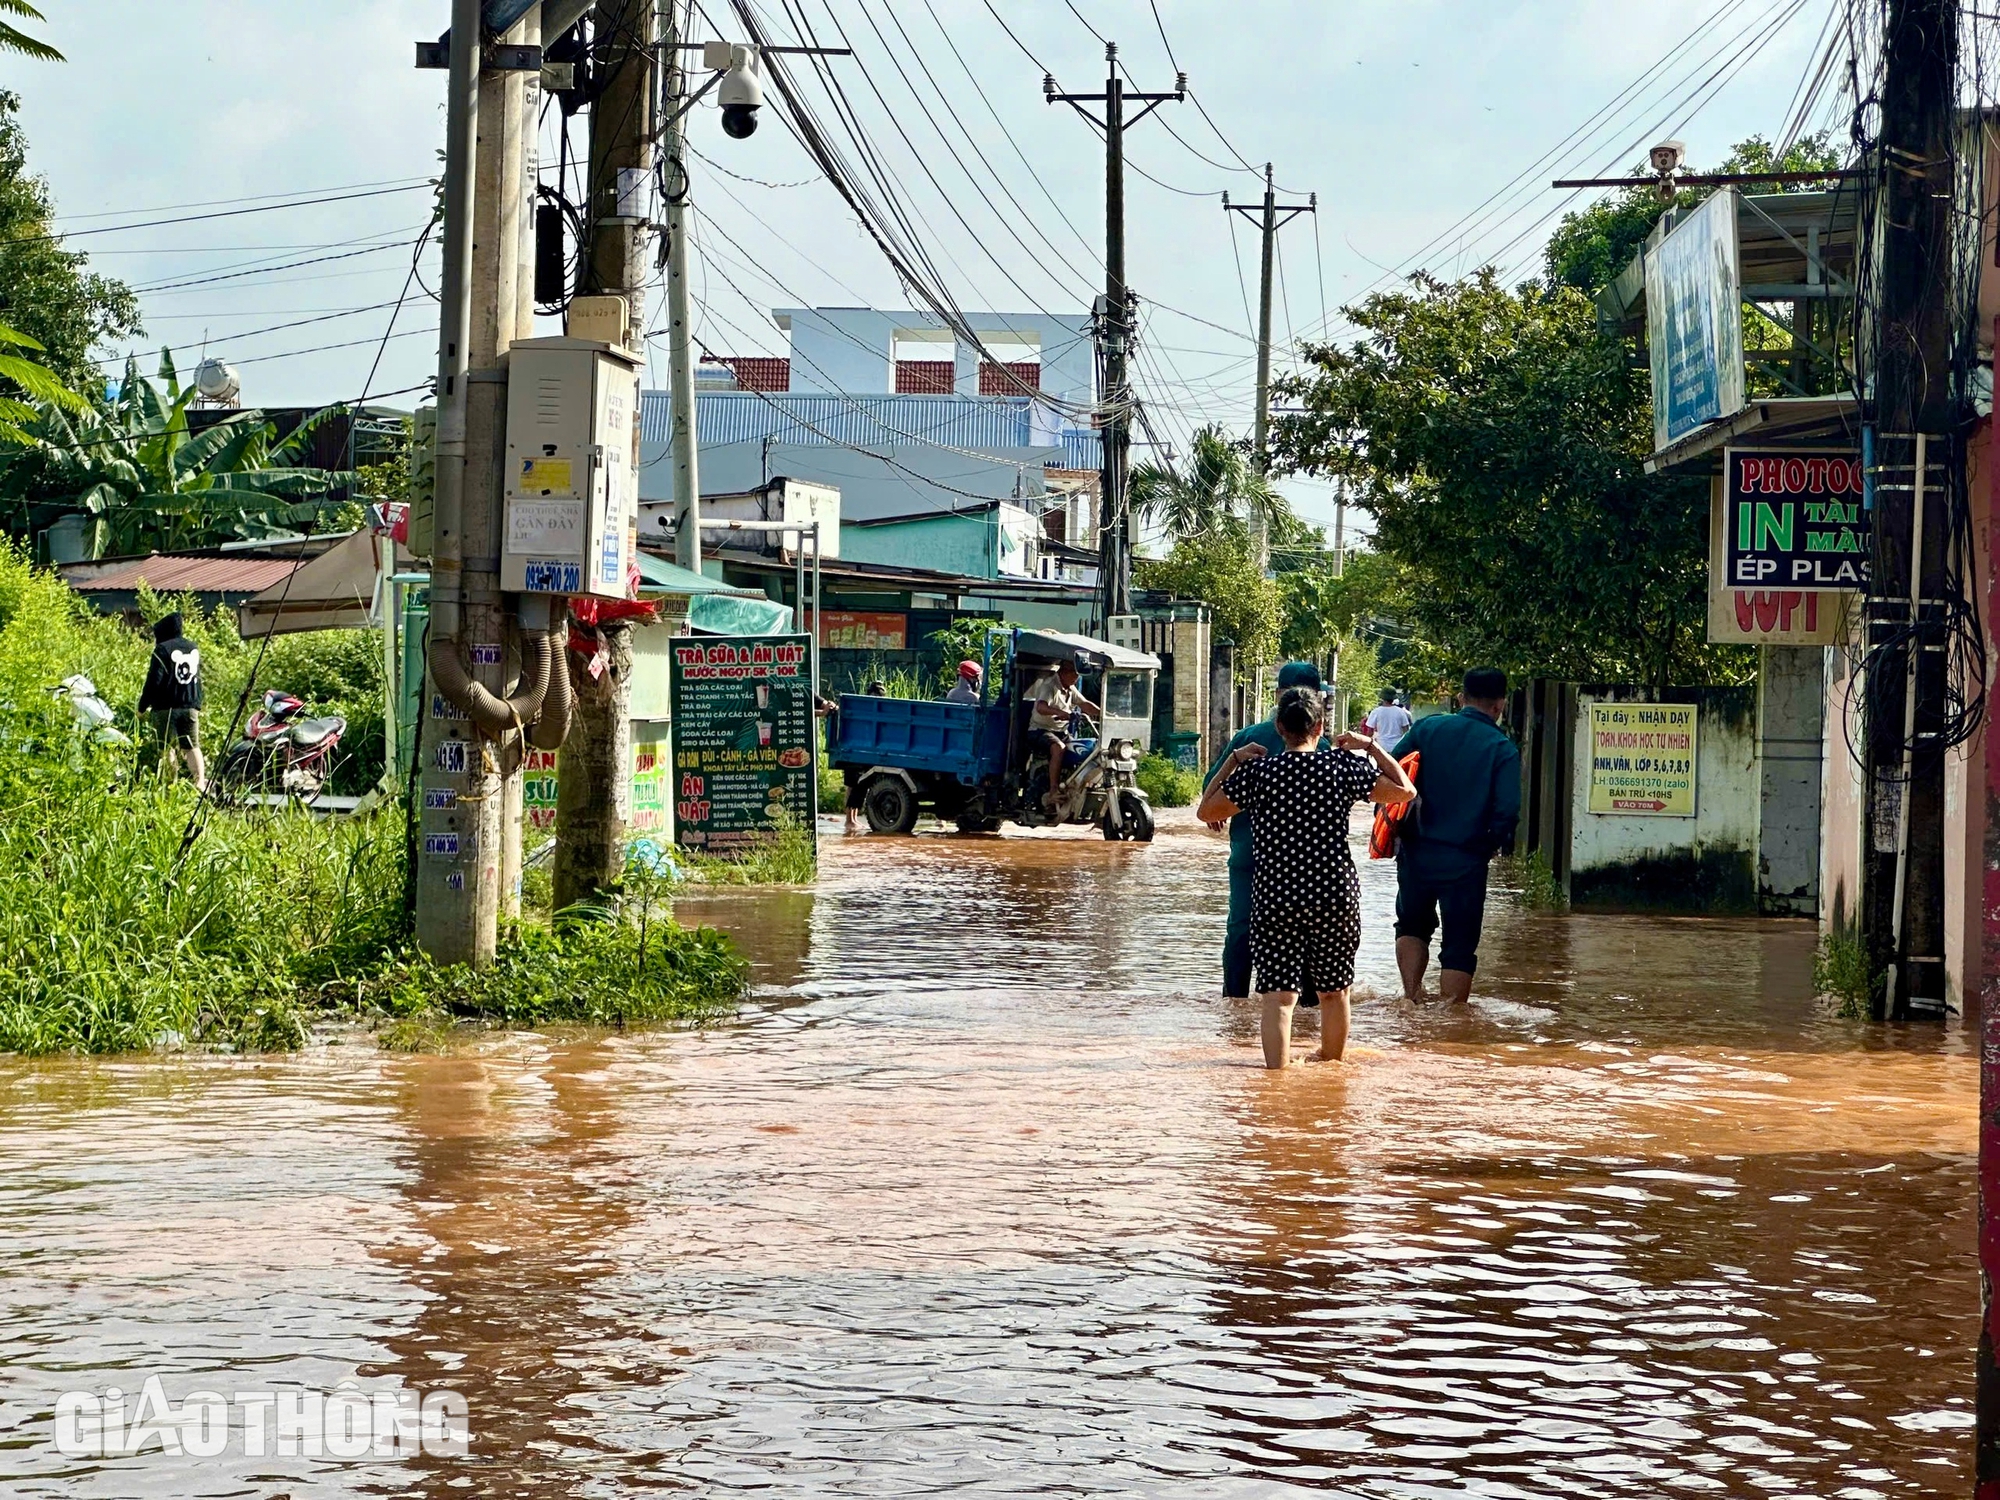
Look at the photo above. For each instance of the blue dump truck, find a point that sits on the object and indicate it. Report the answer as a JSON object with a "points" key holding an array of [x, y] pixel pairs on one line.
{"points": [[973, 764]]}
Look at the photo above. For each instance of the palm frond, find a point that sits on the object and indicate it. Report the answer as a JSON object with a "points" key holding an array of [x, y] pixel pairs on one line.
{"points": [[19, 42]]}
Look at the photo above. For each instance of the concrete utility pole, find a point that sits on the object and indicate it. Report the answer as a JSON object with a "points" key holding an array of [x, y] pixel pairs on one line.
{"points": [[1917, 455], [1260, 433], [457, 896], [680, 325], [1114, 328], [594, 768], [472, 728]]}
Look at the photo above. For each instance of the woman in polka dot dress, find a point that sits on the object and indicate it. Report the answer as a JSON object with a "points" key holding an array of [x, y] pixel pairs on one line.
{"points": [[1305, 912]]}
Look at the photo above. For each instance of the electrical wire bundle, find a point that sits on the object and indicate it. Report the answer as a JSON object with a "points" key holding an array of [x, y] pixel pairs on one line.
{"points": [[1947, 618]]}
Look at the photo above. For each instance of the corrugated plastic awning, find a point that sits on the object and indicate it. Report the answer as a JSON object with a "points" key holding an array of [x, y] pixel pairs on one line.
{"points": [[658, 576], [732, 614]]}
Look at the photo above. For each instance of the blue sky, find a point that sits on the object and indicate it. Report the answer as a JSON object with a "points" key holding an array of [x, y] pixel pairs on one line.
{"points": [[1404, 116]]}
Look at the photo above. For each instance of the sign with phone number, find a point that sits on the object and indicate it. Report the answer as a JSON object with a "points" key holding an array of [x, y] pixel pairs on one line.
{"points": [[743, 739], [1642, 759]]}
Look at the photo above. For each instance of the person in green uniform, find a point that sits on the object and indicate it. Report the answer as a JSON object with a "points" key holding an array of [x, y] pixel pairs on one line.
{"points": [[1242, 856]]}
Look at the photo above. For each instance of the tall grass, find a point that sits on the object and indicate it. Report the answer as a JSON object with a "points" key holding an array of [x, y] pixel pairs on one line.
{"points": [[118, 933]]}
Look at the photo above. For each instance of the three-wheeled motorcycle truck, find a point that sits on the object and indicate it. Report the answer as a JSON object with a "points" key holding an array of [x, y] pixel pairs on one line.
{"points": [[972, 763]]}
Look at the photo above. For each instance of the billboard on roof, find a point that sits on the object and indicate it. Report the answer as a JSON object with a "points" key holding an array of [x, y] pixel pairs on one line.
{"points": [[1694, 321]]}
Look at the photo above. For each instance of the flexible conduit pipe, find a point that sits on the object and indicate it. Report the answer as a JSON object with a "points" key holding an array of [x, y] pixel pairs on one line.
{"points": [[495, 716], [551, 726]]}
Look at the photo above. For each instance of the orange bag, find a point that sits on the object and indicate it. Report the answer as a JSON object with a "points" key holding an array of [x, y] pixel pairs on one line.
{"points": [[1389, 817]]}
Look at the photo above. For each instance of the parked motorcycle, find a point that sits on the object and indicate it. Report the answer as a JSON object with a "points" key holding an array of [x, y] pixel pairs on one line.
{"points": [[95, 721], [282, 750]]}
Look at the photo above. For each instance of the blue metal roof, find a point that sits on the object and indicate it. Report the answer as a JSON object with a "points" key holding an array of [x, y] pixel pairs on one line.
{"points": [[1082, 448], [981, 423]]}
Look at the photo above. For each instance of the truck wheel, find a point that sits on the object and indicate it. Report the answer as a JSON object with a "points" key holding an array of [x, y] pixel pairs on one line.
{"points": [[889, 805]]}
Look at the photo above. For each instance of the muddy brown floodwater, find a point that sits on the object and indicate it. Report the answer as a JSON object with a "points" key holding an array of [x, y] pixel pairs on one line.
{"points": [[986, 1193]]}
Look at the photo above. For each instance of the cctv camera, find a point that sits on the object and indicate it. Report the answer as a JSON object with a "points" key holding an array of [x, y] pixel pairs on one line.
{"points": [[1667, 156], [741, 93]]}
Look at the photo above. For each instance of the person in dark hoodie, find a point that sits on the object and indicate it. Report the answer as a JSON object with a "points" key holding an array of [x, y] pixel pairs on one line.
{"points": [[173, 696]]}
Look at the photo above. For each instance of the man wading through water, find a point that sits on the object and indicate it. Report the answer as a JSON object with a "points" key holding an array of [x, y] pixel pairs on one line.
{"points": [[1469, 804], [1242, 848]]}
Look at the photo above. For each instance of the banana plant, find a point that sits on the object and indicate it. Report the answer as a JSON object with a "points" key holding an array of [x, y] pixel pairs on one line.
{"points": [[149, 483], [34, 382]]}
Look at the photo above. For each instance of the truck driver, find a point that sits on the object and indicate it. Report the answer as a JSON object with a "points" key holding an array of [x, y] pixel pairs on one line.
{"points": [[1056, 701]]}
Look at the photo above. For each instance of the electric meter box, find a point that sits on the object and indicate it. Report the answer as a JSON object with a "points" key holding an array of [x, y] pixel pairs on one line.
{"points": [[572, 491]]}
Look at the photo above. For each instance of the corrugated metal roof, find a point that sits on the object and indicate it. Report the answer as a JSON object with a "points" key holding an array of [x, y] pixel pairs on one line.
{"points": [[812, 419], [170, 573], [1082, 449]]}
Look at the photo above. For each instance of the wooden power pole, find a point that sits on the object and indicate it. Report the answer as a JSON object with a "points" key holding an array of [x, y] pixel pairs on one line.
{"points": [[1915, 451]]}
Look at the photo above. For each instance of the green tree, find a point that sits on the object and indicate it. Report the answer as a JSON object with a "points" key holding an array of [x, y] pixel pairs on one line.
{"points": [[1498, 443], [47, 291], [149, 483], [1216, 567], [14, 40], [1217, 488]]}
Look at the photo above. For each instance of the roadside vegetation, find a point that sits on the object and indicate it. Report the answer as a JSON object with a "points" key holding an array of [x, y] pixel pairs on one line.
{"points": [[1166, 784], [131, 916], [1841, 972]]}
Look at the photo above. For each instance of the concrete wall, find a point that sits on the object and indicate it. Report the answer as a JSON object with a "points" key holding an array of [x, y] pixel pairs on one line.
{"points": [[1841, 805], [1791, 732], [1966, 808], [870, 484], [1704, 863], [988, 543], [848, 348]]}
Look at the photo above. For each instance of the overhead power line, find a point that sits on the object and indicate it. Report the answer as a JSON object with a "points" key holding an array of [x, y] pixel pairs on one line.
{"points": [[231, 213]]}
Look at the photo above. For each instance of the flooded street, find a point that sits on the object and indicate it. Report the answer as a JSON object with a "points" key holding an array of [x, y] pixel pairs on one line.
{"points": [[987, 1192]]}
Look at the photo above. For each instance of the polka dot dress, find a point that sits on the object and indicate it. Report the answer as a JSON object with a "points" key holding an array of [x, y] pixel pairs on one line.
{"points": [[1305, 900]]}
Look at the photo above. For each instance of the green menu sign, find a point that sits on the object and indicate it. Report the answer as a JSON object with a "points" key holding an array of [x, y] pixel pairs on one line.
{"points": [[743, 733]]}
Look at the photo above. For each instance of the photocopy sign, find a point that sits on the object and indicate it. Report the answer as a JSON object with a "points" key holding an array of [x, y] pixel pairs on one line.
{"points": [[1694, 321], [743, 732], [1794, 520], [1642, 759]]}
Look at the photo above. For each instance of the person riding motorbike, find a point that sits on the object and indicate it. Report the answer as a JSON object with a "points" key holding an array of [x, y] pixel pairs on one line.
{"points": [[1056, 701]]}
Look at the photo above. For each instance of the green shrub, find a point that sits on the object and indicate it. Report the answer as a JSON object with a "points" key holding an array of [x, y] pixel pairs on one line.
{"points": [[1166, 784], [1841, 970], [832, 797]]}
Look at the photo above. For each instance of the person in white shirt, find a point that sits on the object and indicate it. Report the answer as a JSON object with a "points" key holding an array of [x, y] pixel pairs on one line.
{"points": [[1388, 721], [1056, 701]]}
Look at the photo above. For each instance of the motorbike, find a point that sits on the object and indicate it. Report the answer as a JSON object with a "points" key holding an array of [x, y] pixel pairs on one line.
{"points": [[94, 721], [283, 749]]}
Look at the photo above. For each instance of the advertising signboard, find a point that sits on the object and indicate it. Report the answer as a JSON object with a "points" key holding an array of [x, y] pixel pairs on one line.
{"points": [[1642, 759], [743, 739], [1694, 321], [861, 630], [1775, 615], [1794, 520]]}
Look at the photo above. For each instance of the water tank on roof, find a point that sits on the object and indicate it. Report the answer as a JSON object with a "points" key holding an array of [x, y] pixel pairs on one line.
{"points": [[217, 383]]}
